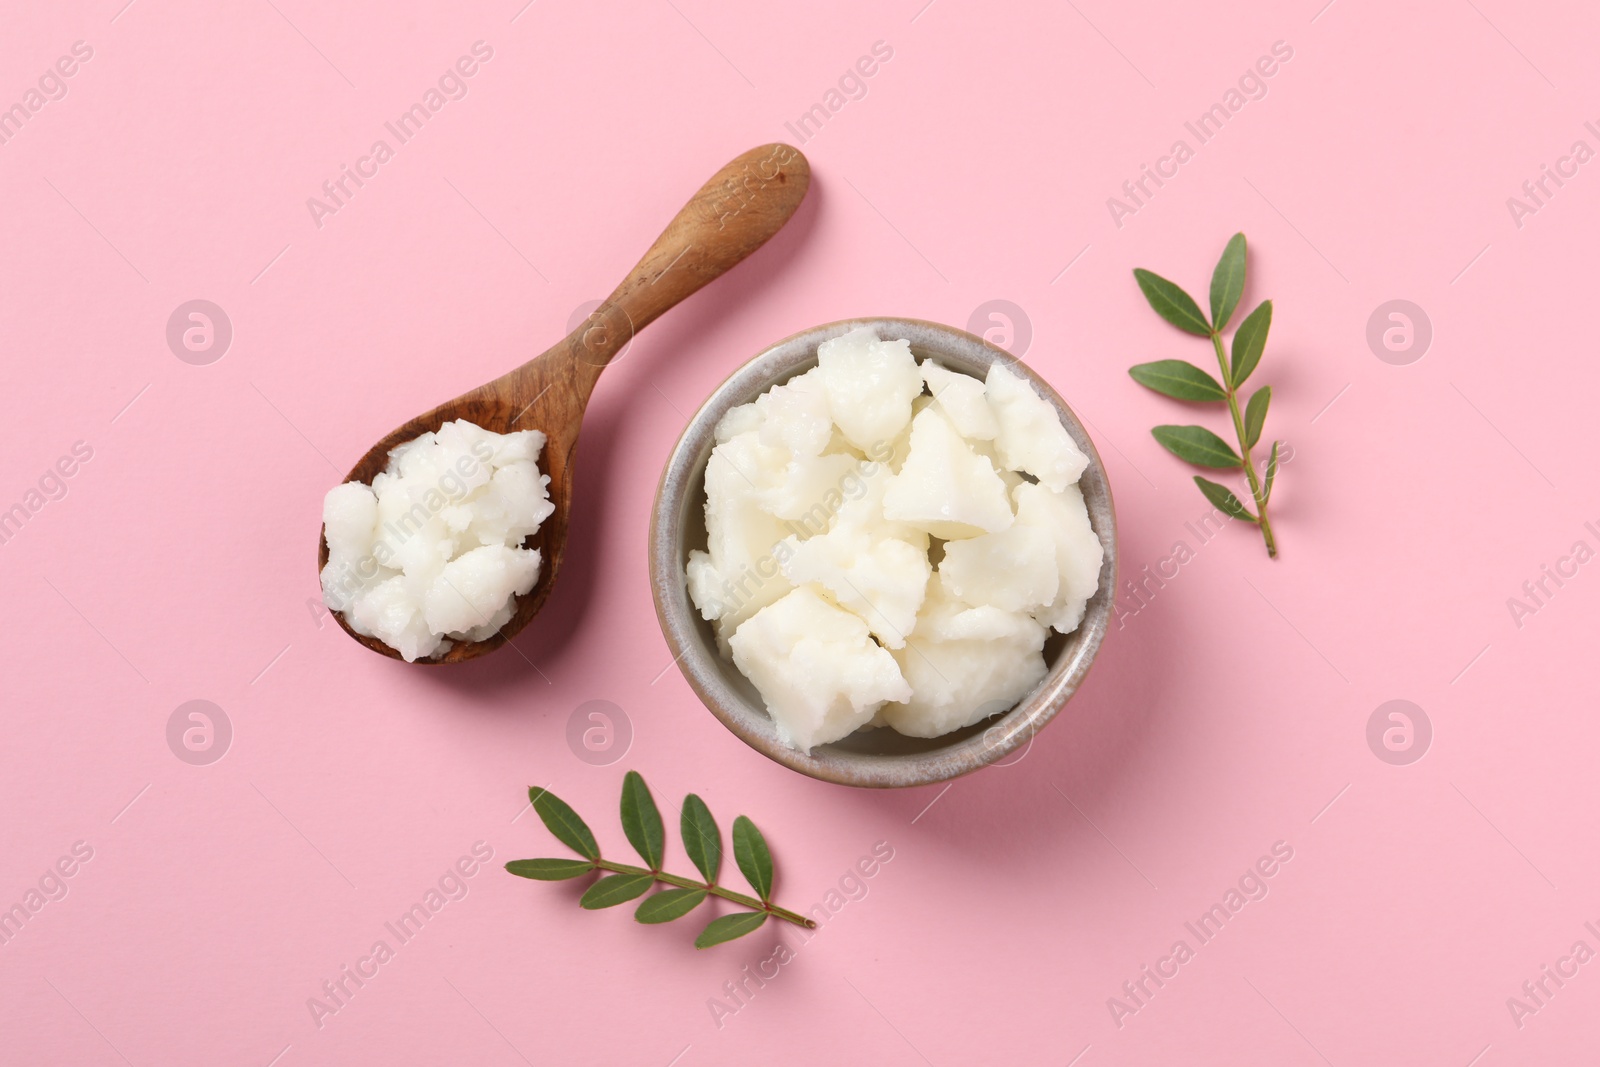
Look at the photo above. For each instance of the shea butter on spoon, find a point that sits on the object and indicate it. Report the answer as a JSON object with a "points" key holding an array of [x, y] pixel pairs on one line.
{"points": [[732, 215], [431, 553]]}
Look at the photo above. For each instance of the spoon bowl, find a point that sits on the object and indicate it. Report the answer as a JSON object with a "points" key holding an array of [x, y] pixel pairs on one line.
{"points": [[732, 215]]}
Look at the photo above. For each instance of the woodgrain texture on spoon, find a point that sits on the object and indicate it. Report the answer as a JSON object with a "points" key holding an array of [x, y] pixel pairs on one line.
{"points": [[732, 215]]}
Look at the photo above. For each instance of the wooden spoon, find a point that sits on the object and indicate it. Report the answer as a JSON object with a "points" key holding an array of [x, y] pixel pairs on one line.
{"points": [[732, 215]]}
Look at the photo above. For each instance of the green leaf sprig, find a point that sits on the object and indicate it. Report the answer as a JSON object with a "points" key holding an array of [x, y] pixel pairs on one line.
{"points": [[1185, 381], [641, 822]]}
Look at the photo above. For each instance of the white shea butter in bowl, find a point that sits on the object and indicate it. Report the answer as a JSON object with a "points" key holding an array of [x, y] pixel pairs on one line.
{"points": [[890, 542], [432, 551]]}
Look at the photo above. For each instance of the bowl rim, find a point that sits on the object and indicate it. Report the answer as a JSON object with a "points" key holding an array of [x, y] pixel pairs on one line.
{"points": [[703, 667]]}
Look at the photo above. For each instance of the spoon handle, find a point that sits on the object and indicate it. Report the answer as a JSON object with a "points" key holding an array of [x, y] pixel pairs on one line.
{"points": [[732, 215]]}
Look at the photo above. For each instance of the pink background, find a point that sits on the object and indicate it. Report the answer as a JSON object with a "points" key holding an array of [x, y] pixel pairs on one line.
{"points": [[1228, 714]]}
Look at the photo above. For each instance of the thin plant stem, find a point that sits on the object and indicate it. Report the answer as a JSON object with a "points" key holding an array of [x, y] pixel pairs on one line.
{"points": [[1244, 447], [715, 890]]}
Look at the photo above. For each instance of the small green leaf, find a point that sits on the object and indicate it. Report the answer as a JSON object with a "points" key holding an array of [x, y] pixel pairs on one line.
{"points": [[1272, 472], [564, 822], [1248, 342], [701, 838], [1197, 445], [729, 927], [550, 870], [1177, 379], [1227, 281], [1221, 496], [750, 850], [615, 889], [669, 904], [1255, 415], [641, 821], [1172, 303]]}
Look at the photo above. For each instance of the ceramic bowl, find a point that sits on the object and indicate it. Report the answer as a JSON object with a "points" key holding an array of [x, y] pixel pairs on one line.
{"points": [[880, 757]]}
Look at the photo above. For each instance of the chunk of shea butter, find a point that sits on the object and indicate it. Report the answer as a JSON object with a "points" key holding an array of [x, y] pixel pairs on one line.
{"points": [[795, 415], [742, 477], [816, 667], [349, 521], [736, 575], [746, 418], [944, 487], [1031, 438], [808, 482], [1014, 569], [964, 664], [1078, 553], [870, 386], [962, 398], [469, 596], [881, 580], [431, 552], [863, 506]]}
